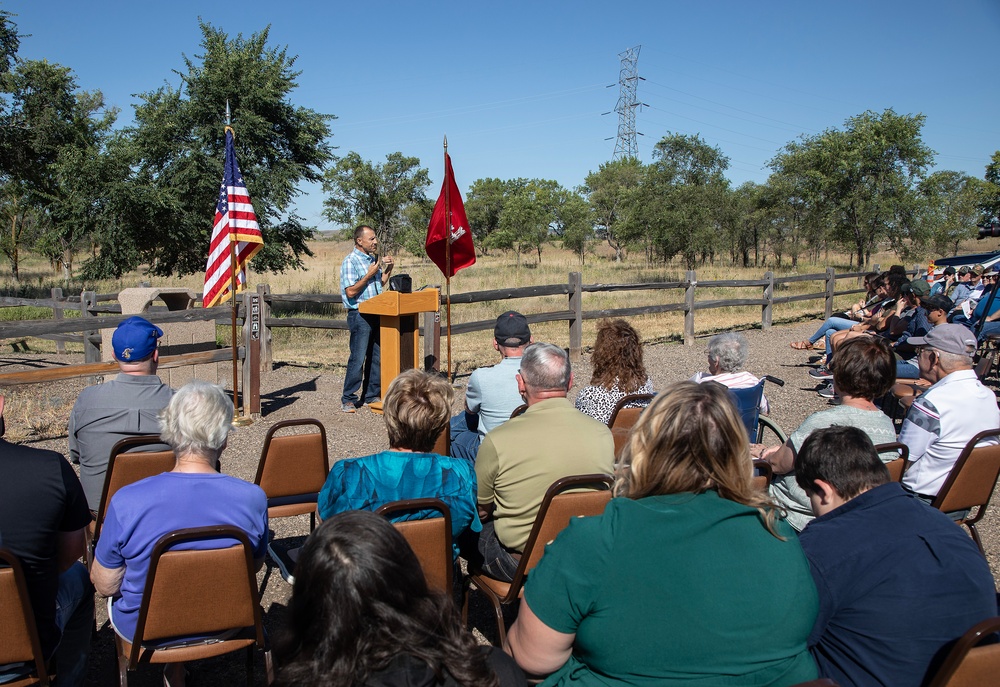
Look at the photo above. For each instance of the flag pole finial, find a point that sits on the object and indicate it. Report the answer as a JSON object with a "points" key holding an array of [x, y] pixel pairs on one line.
{"points": [[229, 119], [446, 141]]}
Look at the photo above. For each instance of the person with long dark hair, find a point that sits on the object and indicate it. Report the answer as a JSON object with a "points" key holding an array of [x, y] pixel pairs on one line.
{"points": [[362, 614], [689, 576], [618, 370]]}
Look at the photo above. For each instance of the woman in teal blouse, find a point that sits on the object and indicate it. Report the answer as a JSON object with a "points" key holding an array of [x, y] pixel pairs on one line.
{"points": [[689, 577]]}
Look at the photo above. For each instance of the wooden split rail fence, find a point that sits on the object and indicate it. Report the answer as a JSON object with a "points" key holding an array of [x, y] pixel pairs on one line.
{"points": [[256, 349]]}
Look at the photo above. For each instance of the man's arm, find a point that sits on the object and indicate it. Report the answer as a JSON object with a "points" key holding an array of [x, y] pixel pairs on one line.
{"points": [[70, 546], [355, 289], [487, 465], [107, 581]]}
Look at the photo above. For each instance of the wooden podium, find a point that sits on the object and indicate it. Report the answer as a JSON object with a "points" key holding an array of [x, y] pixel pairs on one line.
{"points": [[399, 330]]}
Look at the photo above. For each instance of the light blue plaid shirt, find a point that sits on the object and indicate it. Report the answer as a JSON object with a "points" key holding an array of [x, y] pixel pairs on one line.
{"points": [[355, 266]]}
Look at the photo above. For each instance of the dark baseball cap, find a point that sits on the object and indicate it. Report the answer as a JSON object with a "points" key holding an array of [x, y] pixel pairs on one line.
{"points": [[948, 338], [135, 339], [965, 269], [512, 329], [937, 302], [918, 287]]}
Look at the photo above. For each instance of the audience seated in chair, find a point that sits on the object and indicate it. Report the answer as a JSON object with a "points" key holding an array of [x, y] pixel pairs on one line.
{"points": [[195, 424], [618, 370], [897, 580], [690, 577], [491, 395], [43, 515], [865, 370], [955, 408], [519, 460], [416, 410], [122, 407], [727, 356], [361, 614]]}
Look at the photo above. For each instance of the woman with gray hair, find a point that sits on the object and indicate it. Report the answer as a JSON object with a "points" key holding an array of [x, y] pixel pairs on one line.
{"points": [[727, 355], [196, 425]]}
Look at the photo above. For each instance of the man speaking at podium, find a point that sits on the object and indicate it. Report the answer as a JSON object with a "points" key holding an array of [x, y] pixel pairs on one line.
{"points": [[362, 276]]}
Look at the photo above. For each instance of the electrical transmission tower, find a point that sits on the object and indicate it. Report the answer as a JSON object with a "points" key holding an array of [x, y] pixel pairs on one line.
{"points": [[628, 79]]}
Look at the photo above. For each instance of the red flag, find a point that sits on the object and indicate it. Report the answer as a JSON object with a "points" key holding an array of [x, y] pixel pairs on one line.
{"points": [[235, 222], [463, 254]]}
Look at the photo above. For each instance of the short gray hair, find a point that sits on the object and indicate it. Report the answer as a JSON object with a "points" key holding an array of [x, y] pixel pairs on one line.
{"points": [[545, 367], [953, 361], [729, 350], [198, 419]]}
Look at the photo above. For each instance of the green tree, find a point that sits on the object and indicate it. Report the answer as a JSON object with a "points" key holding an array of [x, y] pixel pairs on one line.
{"points": [[573, 222], [362, 192], [176, 150], [864, 177], [689, 177], [52, 135], [483, 206], [611, 192], [952, 208], [526, 217], [989, 204]]}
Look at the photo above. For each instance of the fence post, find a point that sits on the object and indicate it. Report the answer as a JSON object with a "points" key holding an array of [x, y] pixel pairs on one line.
{"points": [[692, 281], [57, 314], [266, 354], [767, 310], [576, 307], [91, 351], [431, 323], [252, 335], [831, 287]]}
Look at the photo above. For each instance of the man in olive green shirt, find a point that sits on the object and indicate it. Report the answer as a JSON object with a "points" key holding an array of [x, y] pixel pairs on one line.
{"points": [[519, 460]]}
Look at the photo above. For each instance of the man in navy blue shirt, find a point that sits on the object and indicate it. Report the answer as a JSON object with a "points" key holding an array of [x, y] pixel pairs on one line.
{"points": [[897, 580]]}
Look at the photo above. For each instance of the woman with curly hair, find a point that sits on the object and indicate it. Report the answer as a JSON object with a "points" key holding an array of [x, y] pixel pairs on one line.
{"points": [[361, 614], [618, 370], [676, 582]]}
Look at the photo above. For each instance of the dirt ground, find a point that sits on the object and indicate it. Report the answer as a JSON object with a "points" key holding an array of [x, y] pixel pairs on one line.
{"points": [[293, 391]]}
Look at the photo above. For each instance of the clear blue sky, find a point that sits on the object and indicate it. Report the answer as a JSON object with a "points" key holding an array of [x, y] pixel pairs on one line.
{"points": [[519, 87]]}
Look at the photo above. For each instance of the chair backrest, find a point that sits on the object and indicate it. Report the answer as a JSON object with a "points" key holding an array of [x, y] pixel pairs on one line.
{"points": [[559, 505], [623, 417], [127, 466], [969, 665], [973, 477], [20, 636], [191, 592], [430, 539], [517, 411], [748, 405], [896, 467], [293, 467], [442, 446], [762, 474]]}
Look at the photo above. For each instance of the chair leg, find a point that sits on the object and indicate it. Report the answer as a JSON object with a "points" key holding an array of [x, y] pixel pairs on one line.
{"points": [[975, 537], [250, 650], [268, 667], [501, 624], [122, 661]]}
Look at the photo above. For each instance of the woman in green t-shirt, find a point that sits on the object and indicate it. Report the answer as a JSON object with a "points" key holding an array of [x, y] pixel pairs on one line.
{"points": [[689, 576]]}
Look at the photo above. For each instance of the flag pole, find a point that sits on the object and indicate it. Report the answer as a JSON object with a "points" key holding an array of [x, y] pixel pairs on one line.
{"points": [[447, 254], [237, 420]]}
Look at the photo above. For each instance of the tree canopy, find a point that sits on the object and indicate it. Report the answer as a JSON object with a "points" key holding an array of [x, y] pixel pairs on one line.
{"points": [[172, 160]]}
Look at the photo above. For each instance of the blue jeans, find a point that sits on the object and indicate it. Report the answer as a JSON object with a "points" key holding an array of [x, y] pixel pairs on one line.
{"points": [[905, 370], [75, 618], [465, 437], [364, 367], [498, 562], [989, 328], [834, 324]]}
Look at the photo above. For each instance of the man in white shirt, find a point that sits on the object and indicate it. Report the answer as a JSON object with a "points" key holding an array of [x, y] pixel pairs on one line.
{"points": [[945, 417]]}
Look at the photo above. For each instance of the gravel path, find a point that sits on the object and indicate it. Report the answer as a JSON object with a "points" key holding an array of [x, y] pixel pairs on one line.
{"points": [[292, 391]]}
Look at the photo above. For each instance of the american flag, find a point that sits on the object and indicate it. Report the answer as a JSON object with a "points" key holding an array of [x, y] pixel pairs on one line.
{"points": [[236, 221]]}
